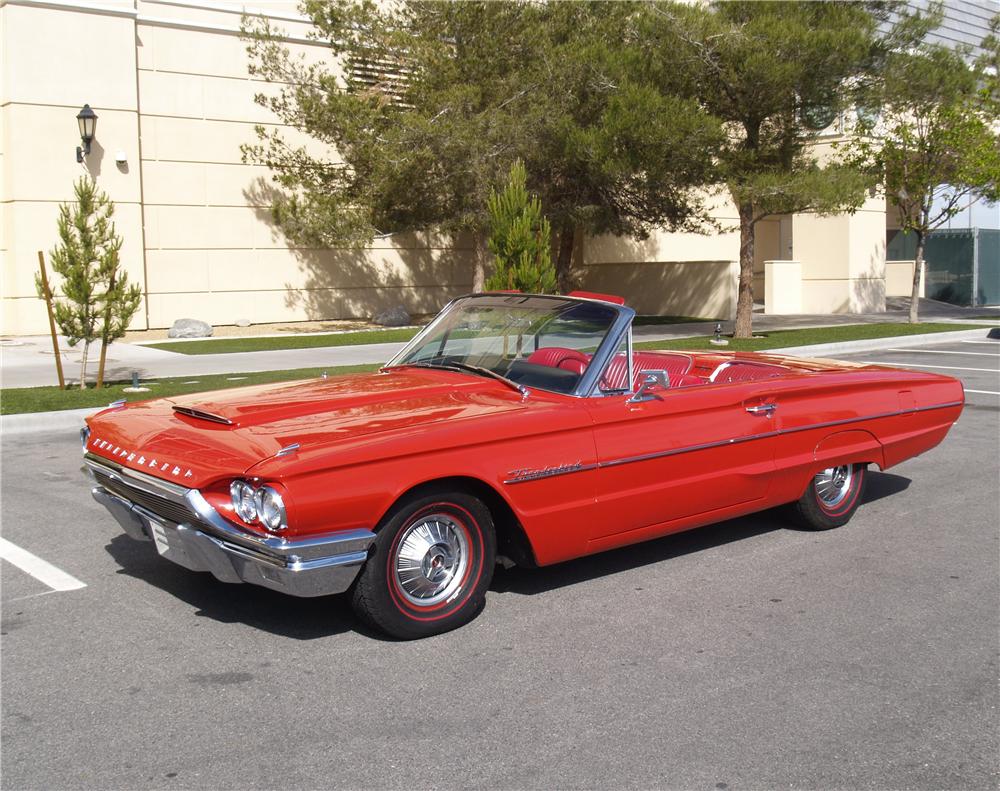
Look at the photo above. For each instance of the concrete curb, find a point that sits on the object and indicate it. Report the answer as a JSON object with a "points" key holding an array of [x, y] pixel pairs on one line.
{"points": [[36, 422], [72, 419], [870, 344]]}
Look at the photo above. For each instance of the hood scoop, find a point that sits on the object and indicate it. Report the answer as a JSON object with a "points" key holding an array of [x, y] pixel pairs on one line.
{"points": [[201, 414]]}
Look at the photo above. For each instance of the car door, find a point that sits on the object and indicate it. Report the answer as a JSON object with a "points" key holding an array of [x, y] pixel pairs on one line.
{"points": [[687, 452]]}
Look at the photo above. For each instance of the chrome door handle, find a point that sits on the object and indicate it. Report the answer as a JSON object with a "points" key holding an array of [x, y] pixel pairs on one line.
{"points": [[764, 409]]}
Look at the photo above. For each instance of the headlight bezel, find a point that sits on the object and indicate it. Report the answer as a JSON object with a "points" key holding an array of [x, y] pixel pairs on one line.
{"points": [[243, 500], [260, 504], [265, 498]]}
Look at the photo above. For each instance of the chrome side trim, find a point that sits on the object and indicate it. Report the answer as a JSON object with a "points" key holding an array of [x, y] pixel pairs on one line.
{"points": [[722, 442], [690, 449]]}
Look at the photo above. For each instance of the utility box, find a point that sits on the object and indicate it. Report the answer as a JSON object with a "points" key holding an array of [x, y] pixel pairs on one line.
{"points": [[782, 287]]}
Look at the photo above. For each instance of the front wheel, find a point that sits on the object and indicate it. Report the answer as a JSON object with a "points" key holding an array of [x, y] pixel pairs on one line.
{"points": [[831, 498], [433, 560]]}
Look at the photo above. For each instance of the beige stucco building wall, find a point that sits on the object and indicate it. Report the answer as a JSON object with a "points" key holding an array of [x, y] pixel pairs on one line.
{"points": [[169, 82]]}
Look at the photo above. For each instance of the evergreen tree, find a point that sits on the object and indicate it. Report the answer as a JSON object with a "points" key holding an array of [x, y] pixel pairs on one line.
{"points": [[97, 300], [519, 239], [774, 74]]}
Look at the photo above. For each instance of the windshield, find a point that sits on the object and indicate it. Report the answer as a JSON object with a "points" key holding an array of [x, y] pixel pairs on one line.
{"points": [[544, 342]]}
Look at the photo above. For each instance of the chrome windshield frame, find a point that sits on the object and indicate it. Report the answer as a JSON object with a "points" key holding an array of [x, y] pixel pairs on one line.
{"points": [[622, 323]]}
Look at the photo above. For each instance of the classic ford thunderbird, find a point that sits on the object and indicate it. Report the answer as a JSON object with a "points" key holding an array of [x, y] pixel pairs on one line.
{"points": [[514, 428]]}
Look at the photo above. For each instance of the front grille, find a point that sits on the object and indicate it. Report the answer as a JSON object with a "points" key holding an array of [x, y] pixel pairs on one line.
{"points": [[161, 506]]}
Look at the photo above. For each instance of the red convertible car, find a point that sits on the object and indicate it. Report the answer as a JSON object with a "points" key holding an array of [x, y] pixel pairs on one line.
{"points": [[513, 428]]}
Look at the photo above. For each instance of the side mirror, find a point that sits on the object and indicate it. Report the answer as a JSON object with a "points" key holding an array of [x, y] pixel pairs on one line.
{"points": [[650, 379]]}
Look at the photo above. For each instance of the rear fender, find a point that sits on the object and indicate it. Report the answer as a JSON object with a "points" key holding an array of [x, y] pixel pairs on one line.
{"points": [[849, 447]]}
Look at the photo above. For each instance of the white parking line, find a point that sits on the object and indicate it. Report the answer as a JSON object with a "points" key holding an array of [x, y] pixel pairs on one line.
{"points": [[41, 570], [939, 351], [990, 343], [984, 392], [915, 365]]}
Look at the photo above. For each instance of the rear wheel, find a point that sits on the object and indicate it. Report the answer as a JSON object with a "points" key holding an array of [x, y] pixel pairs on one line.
{"points": [[433, 560], [832, 497]]}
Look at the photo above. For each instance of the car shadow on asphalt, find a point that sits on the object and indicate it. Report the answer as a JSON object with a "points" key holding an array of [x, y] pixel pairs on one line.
{"points": [[326, 616], [573, 572], [260, 608], [883, 484]]}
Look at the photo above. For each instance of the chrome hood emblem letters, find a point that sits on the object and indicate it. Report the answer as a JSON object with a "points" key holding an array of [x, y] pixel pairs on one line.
{"points": [[128, 455]]}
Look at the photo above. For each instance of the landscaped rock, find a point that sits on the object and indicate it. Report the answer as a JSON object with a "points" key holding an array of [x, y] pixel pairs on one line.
{"points": [[393, 317], [190, 328], [243, 322]]}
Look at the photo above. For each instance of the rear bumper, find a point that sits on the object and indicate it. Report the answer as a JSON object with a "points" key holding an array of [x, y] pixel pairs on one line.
{"points": [[311, 567]]}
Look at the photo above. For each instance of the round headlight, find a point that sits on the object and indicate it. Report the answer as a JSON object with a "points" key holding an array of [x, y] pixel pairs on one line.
{"points": [[243, 500], [270, 509]]}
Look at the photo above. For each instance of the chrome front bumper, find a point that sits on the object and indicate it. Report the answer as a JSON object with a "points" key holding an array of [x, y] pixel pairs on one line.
{"points": [[308, 567]]}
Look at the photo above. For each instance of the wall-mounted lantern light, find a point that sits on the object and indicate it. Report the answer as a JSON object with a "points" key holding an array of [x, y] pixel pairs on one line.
{"points": [[87, 119]]}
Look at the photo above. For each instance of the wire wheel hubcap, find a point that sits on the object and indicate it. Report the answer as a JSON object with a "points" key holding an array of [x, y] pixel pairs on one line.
{"points": [[431, 560], [833, 484]]}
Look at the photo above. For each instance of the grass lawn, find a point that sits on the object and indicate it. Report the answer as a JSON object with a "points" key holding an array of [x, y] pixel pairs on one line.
{"points": [[237, 345], [785, 338], [44, 399], [646, 321]]}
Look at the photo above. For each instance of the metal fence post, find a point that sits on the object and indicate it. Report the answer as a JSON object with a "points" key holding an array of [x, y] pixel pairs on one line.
{"points": [[975, 267]]}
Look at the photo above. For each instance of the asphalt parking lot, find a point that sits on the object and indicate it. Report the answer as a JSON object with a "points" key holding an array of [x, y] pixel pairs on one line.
{"points": [[742, 655]]}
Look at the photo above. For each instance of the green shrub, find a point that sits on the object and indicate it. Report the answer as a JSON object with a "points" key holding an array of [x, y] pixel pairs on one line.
{"points": [[519, 239]]}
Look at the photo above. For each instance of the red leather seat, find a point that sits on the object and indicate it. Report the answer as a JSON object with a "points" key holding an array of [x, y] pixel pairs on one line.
{"points": [[744, 371], [560, 357], [676, 365], [686, 380]]}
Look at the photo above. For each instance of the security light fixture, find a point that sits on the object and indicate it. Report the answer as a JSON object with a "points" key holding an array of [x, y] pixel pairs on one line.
{"points": [[87, 119]]}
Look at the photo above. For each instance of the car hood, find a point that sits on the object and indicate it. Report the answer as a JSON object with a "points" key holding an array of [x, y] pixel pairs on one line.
{"points": [[195, 439]]}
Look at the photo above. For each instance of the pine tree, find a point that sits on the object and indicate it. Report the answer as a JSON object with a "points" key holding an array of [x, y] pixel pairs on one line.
{"points": [[519, 239], [774, 73], [96, 301]]}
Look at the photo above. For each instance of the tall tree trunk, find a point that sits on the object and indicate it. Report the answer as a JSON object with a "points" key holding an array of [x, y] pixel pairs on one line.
{"points": [[104, 333], [564, 260], [100, 365], [479, 262], [744, 298], [83, 365], [918, 269]]}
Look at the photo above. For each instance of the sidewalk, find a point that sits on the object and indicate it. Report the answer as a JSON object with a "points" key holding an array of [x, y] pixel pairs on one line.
{"points": [[27, 361]]}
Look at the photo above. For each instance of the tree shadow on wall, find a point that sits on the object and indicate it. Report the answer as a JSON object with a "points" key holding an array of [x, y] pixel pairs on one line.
{"points": [[420, 271], [640, 271], [869, 287]]}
